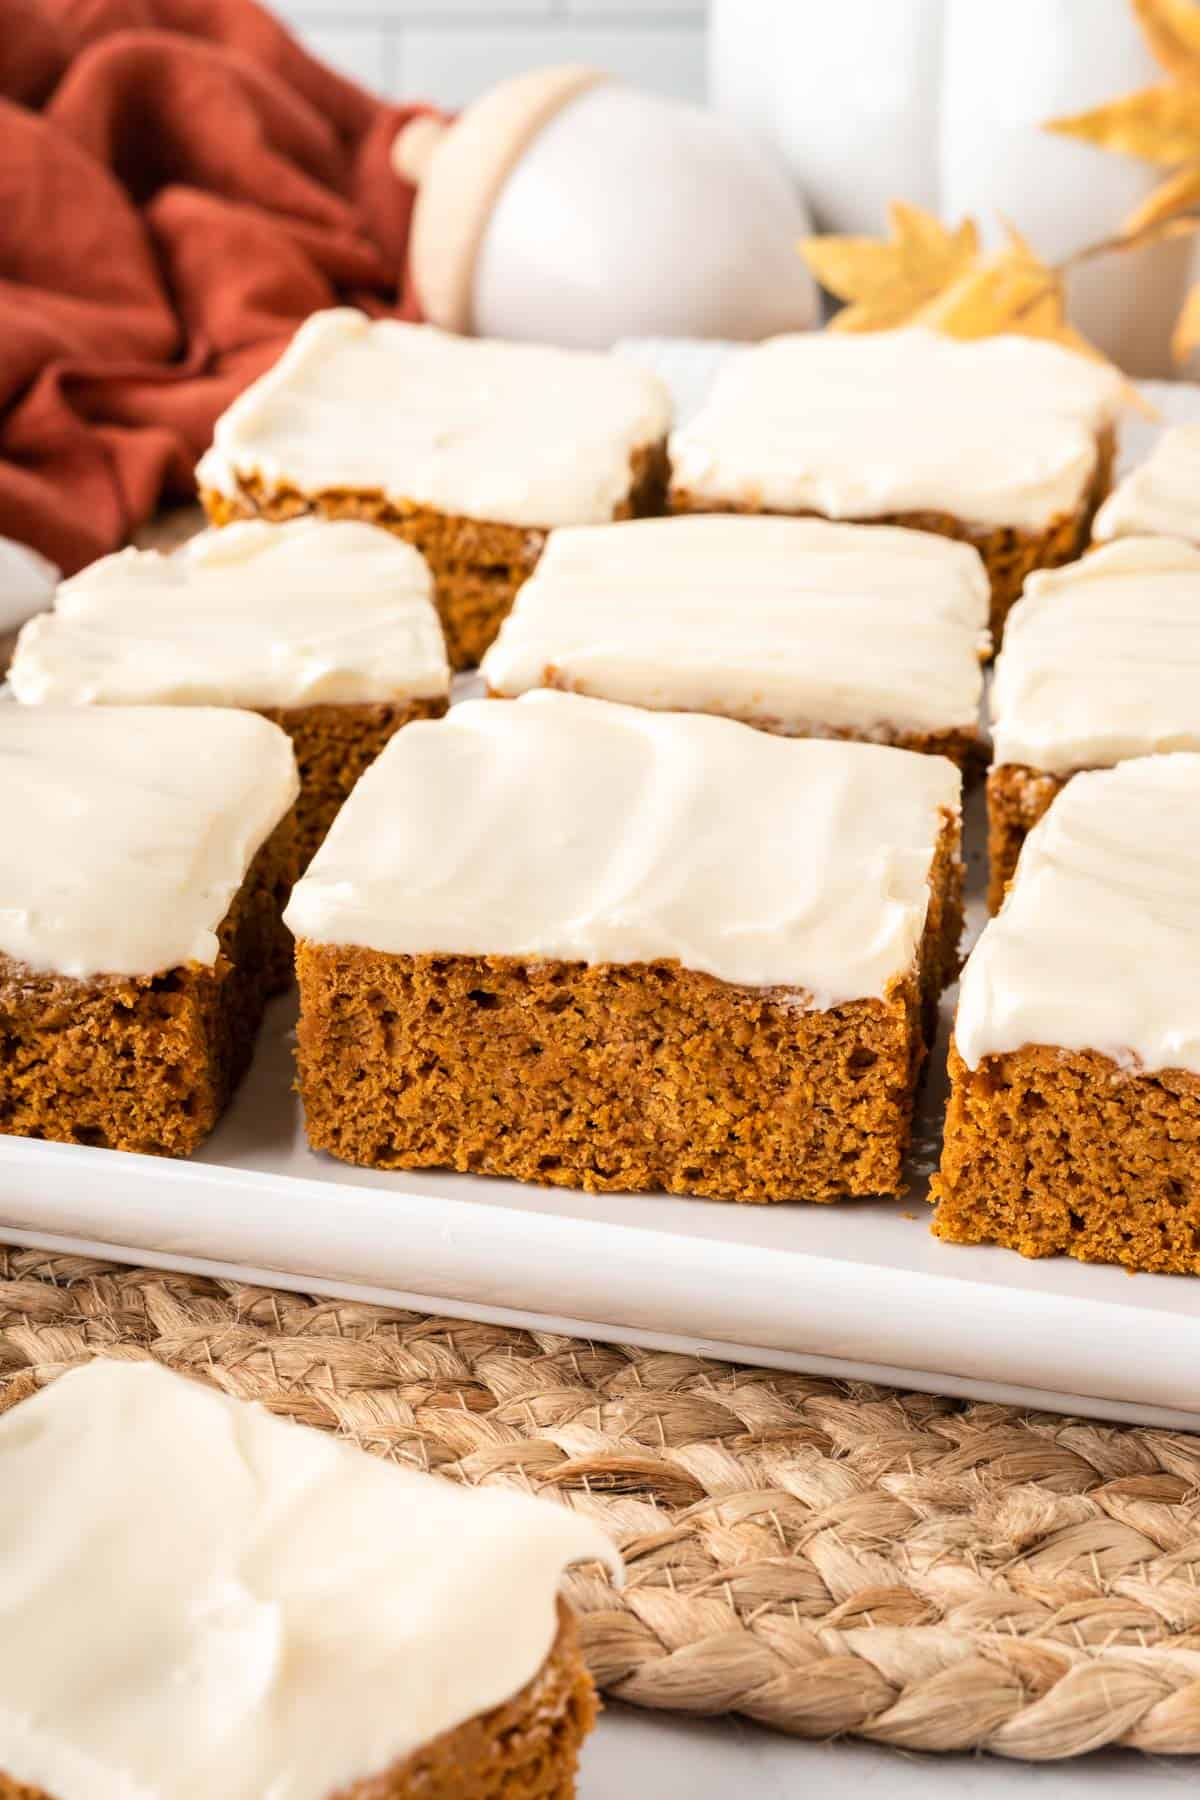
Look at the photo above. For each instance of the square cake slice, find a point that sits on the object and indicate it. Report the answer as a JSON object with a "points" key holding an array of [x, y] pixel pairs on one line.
{"points": [[1074, 1117], [469, 448], [575, 942], [1101, 662], [1161, 497], [146, 856], [201, 1601], [1006, 441], [326, 627], [793, 625]]}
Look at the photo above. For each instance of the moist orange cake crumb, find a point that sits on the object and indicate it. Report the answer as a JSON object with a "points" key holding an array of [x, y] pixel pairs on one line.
{"points": [[640, 951]]}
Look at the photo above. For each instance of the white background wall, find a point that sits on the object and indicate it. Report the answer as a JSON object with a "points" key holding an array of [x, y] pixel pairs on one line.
{"points": [[448, 50]]}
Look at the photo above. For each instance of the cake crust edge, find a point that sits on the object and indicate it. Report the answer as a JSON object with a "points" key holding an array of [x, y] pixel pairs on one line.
{"points": [[639, 1077], [1049, 1151], [477, 564]]}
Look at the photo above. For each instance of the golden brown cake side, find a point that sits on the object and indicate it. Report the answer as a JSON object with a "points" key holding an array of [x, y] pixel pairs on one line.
{"points": [[1016, 799], [961, 746], [147, 1063], [1009, 555], [618, 1077], [334, 745], [525, 1749], [477, 565], [1054, 1152]]}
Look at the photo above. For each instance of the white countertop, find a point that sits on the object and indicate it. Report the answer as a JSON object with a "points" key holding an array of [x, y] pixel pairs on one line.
{"points": [[634, 1754]]}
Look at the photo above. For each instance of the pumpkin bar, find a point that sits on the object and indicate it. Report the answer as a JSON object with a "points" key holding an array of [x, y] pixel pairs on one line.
{"points": [[574, 942], [202, 1599], [146, 857], [1101, 662], [1074, 1118], [327, 628], [1005, 442], [470, 449], [792, 625], [1159, 498]]}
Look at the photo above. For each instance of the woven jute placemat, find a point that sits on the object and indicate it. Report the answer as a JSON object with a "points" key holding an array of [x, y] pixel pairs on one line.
{"points": [[823, 1556]]}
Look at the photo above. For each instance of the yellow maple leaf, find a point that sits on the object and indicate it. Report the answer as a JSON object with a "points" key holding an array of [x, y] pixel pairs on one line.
{"points": [[885, 282], [1186, 335], [1158, 124], [1010, 290], [926, 274], [1172, 30]]}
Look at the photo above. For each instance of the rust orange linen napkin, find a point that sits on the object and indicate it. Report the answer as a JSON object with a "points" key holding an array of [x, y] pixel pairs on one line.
{"points": [[180, 184]]}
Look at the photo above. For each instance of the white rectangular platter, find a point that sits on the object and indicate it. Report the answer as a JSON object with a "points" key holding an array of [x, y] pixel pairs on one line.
{"points": [[859, 1289]]}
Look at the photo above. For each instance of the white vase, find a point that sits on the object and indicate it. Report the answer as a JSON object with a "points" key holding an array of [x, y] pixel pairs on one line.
{"points": [[941, 102]]}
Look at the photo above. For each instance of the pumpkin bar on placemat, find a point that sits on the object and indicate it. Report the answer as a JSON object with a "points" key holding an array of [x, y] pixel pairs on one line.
{"points": [[326, 627], [469, 448], [1074, 1116], [1006, 441], [1159, 498], [587, 944], [203, 1600], [146, 856], [793, 625], [1101, 662]]}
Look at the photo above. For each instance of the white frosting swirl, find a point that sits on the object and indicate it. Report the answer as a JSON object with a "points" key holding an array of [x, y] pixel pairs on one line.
{"points": [[1161, 497], [312, 612], [995, 432], [518, 434], [1096, 947], [203, 1600], [1101, 660], [574, 829], [793, 622], [127, 832]]}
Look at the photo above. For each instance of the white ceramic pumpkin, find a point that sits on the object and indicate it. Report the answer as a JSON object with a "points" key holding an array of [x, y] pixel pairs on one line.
{"points": [[941, 102], [566, 206]]}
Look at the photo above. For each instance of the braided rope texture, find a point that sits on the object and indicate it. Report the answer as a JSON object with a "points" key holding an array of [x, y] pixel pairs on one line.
{"points": [[826, 1557]]}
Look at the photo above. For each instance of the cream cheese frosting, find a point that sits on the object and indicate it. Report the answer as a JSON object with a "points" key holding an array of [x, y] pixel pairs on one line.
{"points": [[1096, 947], [316, 611], [127, 833], [1101, 660], [514, 433], [561, 827], [200, 1599], [796, 623], [1161, 497], [998, 431]]}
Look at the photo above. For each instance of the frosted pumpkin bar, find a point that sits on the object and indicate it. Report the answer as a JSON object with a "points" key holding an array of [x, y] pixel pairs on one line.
{"points": [[146, 856], [591, 945], [1101, 661], [201, 1599], [1159, 498], [328, 628], [1005, 442], [793, 625], [1074, 1117], [470, 449]]}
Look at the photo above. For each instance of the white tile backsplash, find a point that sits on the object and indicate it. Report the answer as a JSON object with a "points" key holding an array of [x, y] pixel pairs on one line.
{"points": [[631, 13], [448, 51], [451, 66]]}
